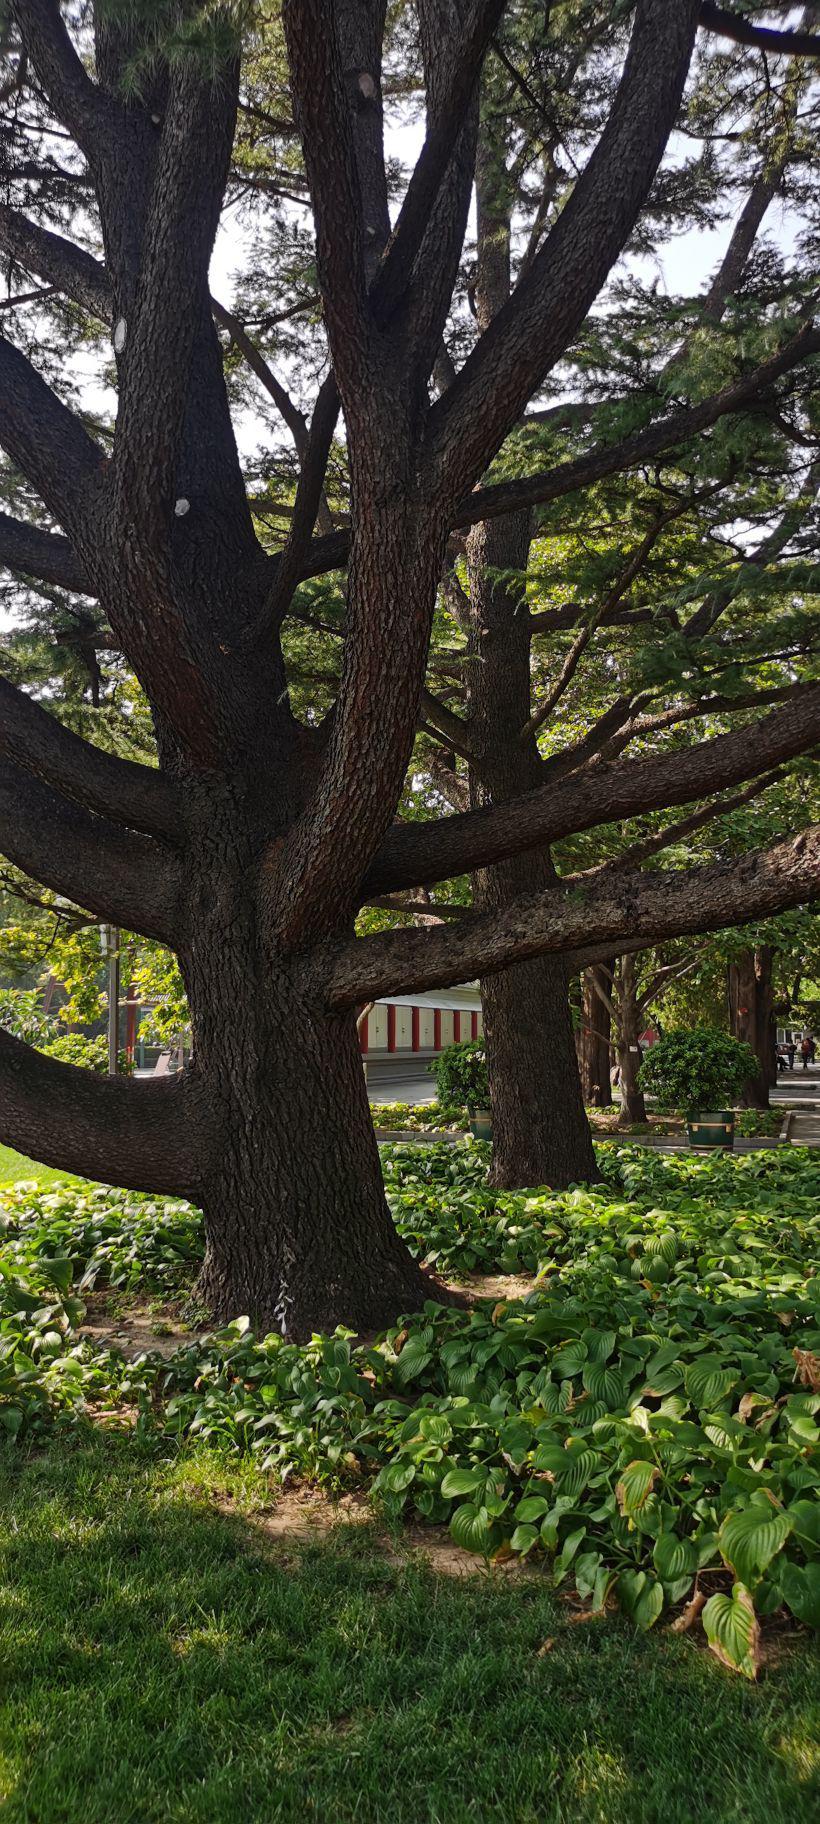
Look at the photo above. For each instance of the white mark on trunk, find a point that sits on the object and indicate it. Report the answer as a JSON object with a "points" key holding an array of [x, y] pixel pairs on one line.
{"points": [[120, 333], [182, 507]]}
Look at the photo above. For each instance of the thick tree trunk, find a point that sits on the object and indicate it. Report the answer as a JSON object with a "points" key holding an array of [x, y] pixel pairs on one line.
{"points": [[751, 1017], [540, 1132], [299, 1236], [594, 1038], [633, 1106]]}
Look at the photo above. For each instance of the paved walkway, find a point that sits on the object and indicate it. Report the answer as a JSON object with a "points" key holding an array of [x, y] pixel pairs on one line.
{"points": [[804, 1127]]}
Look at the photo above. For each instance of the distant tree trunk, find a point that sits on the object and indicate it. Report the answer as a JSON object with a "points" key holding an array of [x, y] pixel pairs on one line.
{"points": [[751, 1017], [594, 1037], [540, 1131], [633, 1106]]}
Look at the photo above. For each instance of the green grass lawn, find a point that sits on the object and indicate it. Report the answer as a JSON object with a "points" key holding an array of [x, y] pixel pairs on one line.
{"points": [[163, 1663], [15, 1165]]}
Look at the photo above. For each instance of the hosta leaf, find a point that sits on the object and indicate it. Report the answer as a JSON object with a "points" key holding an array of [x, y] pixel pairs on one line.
{"points": [[396, 1477], [463, 1481], [524, 1538], [472, 1529], [605, 1384], [707, 1382], [732, 1630], [635, 1486], [674, 1558], [749, 1539], [640, 1597], [805, 1519], [531, 1507], [412, 1362], [579, 1465], [800, 1586], [569, 1360], [600, 1344]]}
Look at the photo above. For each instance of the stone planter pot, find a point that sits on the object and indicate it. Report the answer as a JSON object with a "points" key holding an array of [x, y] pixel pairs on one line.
{"points": [[481, 1123], [710, 1132]]}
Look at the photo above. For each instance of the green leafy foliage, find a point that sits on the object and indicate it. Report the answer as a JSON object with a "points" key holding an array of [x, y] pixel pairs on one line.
{"points": [[646, 1418], [697, 1070], [461, 1075]]}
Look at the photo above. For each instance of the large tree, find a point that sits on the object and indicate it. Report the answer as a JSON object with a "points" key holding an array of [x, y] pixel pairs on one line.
{"points": [[249, 850]]}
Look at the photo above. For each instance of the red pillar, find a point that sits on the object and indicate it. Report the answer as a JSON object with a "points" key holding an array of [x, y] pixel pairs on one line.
{"points": [[415, 1019], [391, 1028], [456, 1028], [473, 1025], [437, 1029]]}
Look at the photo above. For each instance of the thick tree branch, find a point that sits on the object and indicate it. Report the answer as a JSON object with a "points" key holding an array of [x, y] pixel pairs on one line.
{"points": [[58, 261], [172, 300], [417, 854], [665, 434], [127, 879], [434, 158], [76, 100], [658, 439], [45, 556], [323, 118], [579, 913], [50, 446], [144, 1136], [121, 790], [527, 337], [762, 37]]}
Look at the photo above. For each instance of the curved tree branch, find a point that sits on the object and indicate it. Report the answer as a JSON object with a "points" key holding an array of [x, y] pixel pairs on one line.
{"points": [[47, 442], [45, 556], [144, 1136], [419, 854], [127, 879], [121, 790], [530, 333], [763, 37], [578, 915], [58, 261]]}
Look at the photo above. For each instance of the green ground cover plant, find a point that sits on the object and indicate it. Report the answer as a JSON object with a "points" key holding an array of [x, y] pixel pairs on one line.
{"points": [[644, 1424]]}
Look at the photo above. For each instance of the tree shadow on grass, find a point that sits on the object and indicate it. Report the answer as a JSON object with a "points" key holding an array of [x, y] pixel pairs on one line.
{"points": [[164, 1663]]}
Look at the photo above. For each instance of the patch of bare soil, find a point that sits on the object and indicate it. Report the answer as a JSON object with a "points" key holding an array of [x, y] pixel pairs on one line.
{"points": [[306, 1516], [505, 1288], [133, 1327]]}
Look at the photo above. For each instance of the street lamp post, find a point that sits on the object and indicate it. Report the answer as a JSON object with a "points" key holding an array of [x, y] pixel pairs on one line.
{"points": [[110, 943]]}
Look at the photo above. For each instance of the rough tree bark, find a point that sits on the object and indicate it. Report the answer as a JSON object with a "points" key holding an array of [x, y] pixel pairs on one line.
{"points": [[750, 991], [627, 1048], [594, 1040]]}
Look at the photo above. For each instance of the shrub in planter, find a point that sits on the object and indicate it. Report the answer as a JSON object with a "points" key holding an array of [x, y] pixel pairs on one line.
{"points": [[461, 1075], [697, 1072]]}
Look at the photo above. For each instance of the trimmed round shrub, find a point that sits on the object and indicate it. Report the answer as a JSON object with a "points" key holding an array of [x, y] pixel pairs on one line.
{"points": [[697, 1070]]}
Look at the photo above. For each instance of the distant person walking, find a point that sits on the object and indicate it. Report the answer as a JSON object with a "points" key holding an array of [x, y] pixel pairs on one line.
{"points": [[806, 1049], [790, 1051]]}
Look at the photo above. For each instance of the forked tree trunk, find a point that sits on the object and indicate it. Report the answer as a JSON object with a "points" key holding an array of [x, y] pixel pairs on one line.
{"points": [[594, 1038], [751, 1017], [633, 1106]]}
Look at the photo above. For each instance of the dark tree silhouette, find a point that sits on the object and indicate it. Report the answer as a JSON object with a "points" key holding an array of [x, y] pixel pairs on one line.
{"points": [[252, 847]]}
